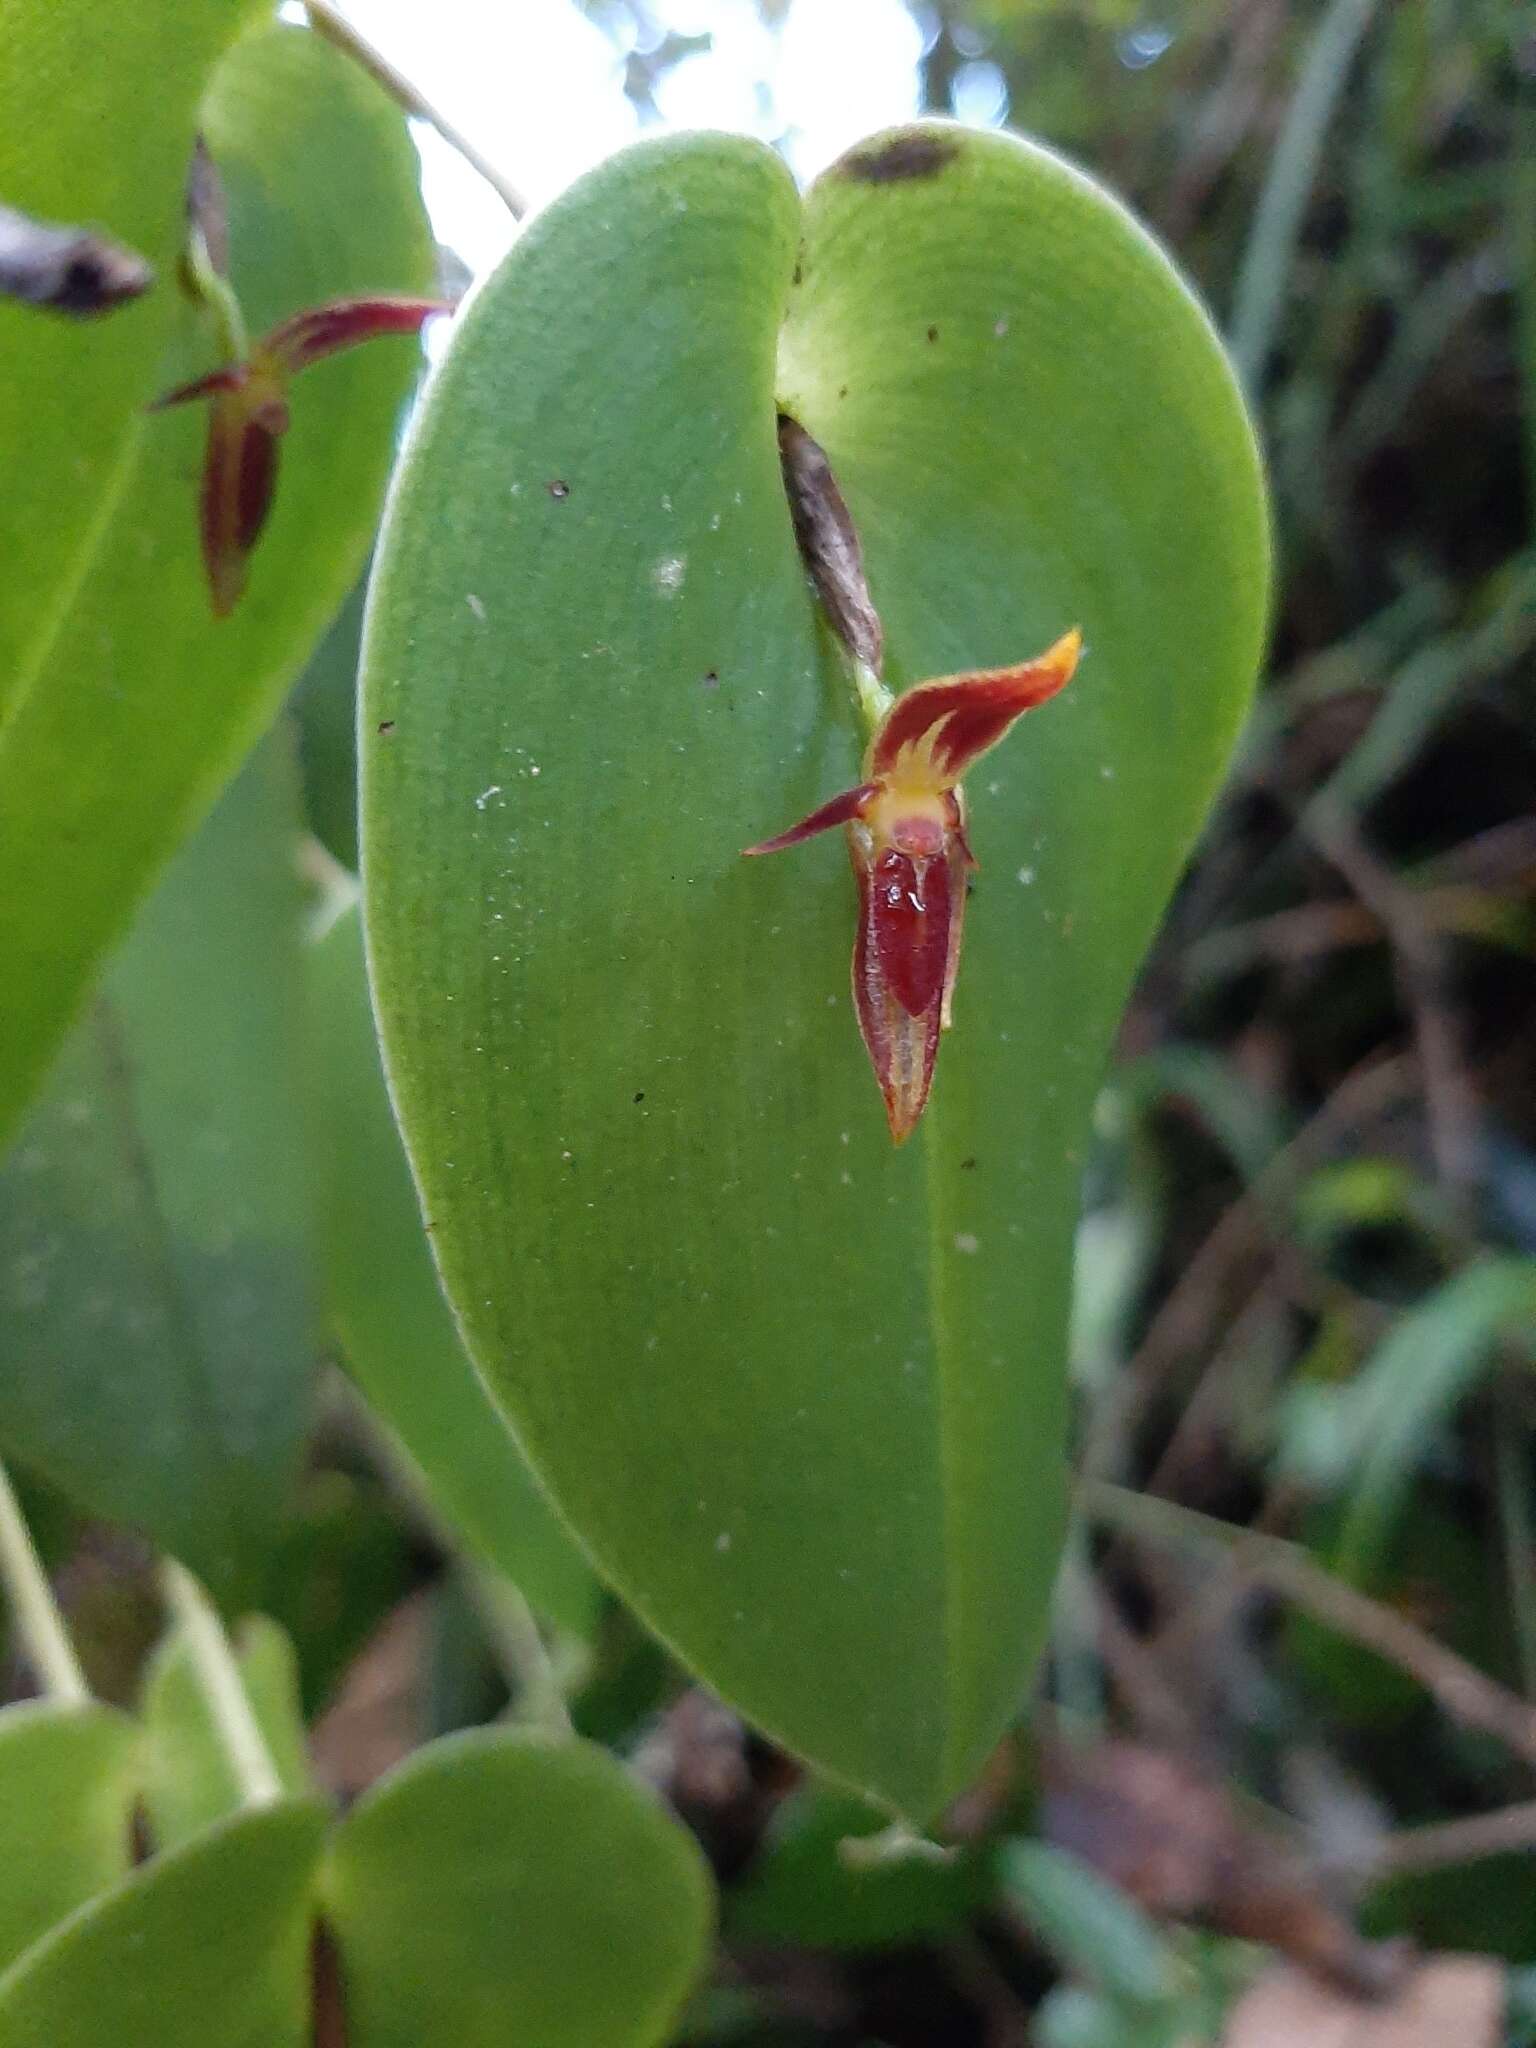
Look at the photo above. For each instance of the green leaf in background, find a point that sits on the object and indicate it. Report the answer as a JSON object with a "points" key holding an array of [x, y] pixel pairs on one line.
{"points": [[804, 1397], [325, 711], [205, 1948], [156, 1312], [190, 1780], [1092, 1928], [76, 81], [1370, 1434], [397, 1333], [501, 1887], [68, 1780], [141, 703]]}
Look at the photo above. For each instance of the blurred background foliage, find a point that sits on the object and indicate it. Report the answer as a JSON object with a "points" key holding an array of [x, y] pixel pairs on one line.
{"points": [[1307, 1280]]}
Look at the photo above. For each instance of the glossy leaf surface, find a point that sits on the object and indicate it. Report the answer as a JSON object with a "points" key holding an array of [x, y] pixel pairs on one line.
{"points": [[68, 1780], [190, 1779], [501, 1887], [803, 1396], [156, 1308], [396, 1330], [140, 704], [204, 1948]]}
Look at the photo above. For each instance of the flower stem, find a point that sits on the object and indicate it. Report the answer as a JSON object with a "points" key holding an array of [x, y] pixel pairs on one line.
{"points": [[217, 296], [328, 21], [38, 1620], [874, 699], [219, 1677], [538, 1700]]}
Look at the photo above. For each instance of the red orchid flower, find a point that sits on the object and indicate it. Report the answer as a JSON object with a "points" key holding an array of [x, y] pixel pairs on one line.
{"points": [[249, 416], [906, 836]]}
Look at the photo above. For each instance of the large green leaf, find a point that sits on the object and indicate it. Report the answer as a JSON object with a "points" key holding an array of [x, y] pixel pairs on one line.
{"points": [[68, 1780], [501, 1887], [803, 1396], [204, 1948], [191, 1780], [78, 82], [396, 1330], [138, 704], [156, 1319]]}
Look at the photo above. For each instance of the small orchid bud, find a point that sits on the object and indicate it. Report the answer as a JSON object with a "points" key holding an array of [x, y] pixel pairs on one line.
{"points": [[249, 416], [906, 837]]}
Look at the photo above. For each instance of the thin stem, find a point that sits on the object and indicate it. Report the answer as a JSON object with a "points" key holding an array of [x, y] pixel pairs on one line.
{"points": [[1462, 1691], [1442, 1844], [328, 21], [510, 1626], [873, 697], [38, 1620], [218, 296], [1277, 220], [222, 1686], [537, 1698]]}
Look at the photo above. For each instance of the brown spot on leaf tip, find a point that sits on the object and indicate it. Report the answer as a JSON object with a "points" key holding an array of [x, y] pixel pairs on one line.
{"points": [[558, 487], [908, 156], [386, 727]]}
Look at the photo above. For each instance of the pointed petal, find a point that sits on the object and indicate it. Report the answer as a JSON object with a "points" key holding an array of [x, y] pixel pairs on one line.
{"points": [[955, 719], [837, 810], [319, 331], [239, 478], [230, 378]]}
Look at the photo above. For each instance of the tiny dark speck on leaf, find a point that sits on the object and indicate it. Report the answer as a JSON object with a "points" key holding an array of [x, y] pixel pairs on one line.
{"points": [[799, 274], [640, 1095], [386, 727], [559, 488], [968, 1165], [842, 390], [933, 334], [908, 156], [711, 679]]}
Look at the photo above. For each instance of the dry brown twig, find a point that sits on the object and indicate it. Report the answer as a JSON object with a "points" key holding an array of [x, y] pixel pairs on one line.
{"points": [[1182, 1315], [1463, 1692]]}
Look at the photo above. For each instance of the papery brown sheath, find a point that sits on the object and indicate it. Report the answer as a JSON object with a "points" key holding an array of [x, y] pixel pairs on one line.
{"points": [[249, 416], [906, 836]]}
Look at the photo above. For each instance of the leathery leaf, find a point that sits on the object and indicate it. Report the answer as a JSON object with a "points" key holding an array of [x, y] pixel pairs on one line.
{"points": [[801, 1394]]}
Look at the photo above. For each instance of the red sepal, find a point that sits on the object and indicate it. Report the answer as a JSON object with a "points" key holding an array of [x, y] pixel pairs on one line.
{"points": [[838, 810], [320, 331], [239, 481], [955, 719]]}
